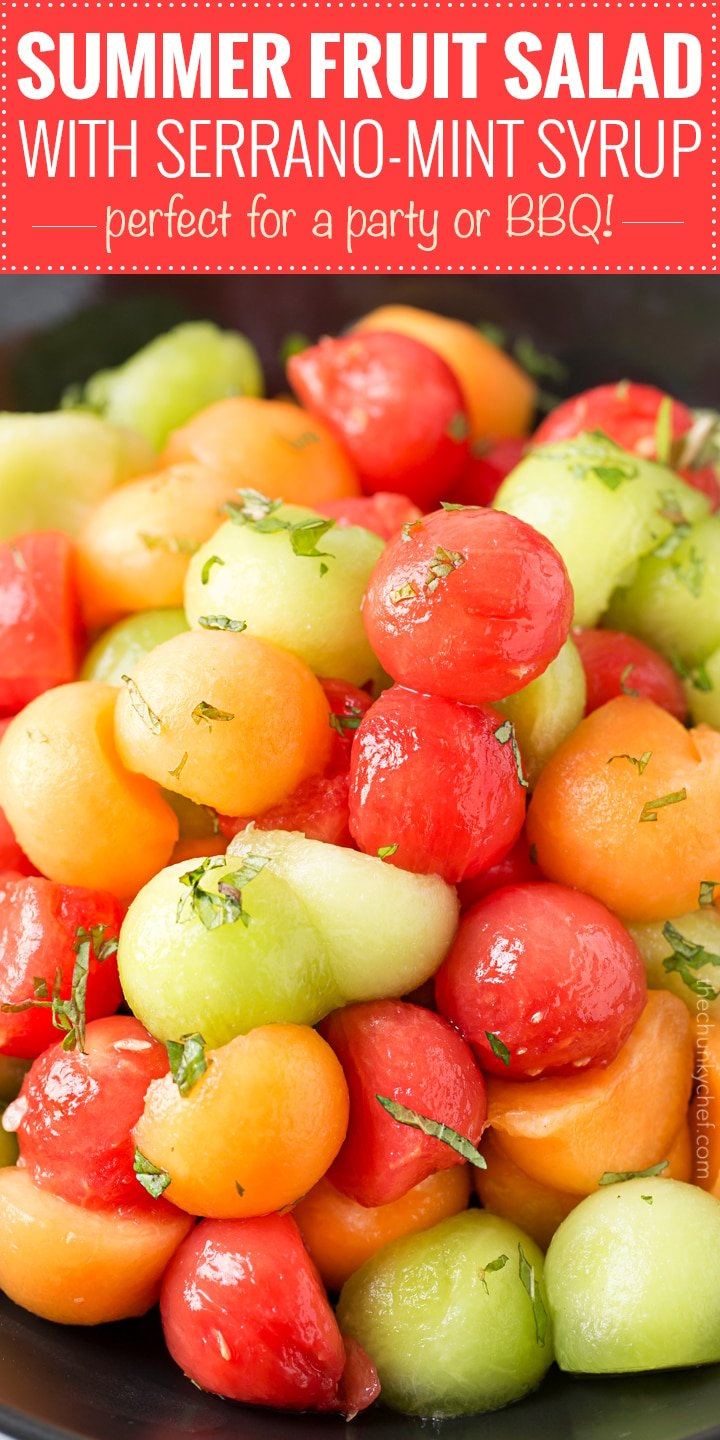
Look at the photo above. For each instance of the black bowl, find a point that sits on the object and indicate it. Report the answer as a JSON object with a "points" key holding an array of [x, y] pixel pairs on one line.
{"points": [[118, 1382]]}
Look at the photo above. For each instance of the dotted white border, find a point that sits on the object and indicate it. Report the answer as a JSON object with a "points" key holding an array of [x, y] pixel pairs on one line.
{"points": [[158, 5]]}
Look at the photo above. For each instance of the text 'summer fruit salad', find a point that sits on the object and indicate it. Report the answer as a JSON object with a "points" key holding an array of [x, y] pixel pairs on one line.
{"points": [[359, 859]]}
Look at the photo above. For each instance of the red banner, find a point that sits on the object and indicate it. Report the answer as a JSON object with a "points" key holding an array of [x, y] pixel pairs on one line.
{"points": [[326, 135]]}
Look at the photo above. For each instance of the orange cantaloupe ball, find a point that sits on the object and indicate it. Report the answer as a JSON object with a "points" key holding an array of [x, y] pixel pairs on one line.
{"points": [[499, 395], [78, 1266], [257, 1130], [506, 1190], [225, 719], [135, 546], [539, 1209], [341, 1235], [268, 445], [78, 814], [568, 1132], [590, 818]]}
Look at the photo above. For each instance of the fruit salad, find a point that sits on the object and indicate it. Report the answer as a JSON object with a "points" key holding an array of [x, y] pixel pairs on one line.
{"points": [[360, 868]]}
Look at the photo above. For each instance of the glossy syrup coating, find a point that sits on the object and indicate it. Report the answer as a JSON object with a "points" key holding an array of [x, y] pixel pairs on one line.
{"points": [[568, 1132], [416, 1059], [435, 779], [394, 405], [245, 1315], [549, 972], [76, 1110], [618, 664], [590, 817], [470, 604]]}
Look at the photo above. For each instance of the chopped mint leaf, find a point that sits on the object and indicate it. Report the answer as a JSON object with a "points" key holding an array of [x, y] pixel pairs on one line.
{"points": [[346, 721], [224, 907], [182, 762], [69, 1015], [618, 1178], [498, 1047], [301, 442], [257, 510], [403, 592], [386, 851], [639, 762], [624, 678], [526, 1272], [141, 707], [436, 1128], [505, 733], [205, 711], [707, 892], [221, 622], [601, 458], [647, 1198], [443, 564], [187, 1061], [240, 1188], [207, 567], [698, 677], [651, 807], [686, 958], [490, 1268], [458, 428], [304, 537], [153, 1180]]}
